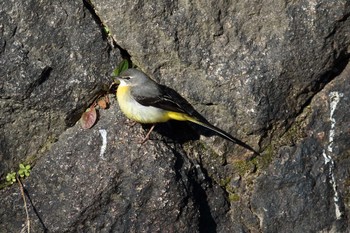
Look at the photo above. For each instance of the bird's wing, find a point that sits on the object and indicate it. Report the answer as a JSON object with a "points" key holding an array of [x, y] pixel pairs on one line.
{"points": [[161, 97]]}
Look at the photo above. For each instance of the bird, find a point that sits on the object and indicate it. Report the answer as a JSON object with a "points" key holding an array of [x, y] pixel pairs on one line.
{"points": [[145, 101]]}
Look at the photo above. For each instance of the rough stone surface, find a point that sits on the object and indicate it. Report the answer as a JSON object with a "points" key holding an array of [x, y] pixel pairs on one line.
{"points": [[306, 188], [271, 73], [247, 61], [126, 188], [51, 63]]}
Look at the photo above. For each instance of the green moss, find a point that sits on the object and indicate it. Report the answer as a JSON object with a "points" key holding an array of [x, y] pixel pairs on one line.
{"points": [[233, 197], [224, 182], [263, 161], [296, 132], [243, 167]]}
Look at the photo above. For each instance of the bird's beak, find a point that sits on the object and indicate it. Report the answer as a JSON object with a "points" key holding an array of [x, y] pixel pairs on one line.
{"points": [[114, 86], [120, 79]]}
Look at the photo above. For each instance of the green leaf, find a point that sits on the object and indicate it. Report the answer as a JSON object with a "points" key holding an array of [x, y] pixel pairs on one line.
{"points": [[123, 65], [106, 30], [24, 170], [21, 173], [8, 177], [11, 177]]}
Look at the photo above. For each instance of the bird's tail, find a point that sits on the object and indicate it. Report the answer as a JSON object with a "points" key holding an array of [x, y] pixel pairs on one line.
{"points": [[185, 117], [222, 134]]}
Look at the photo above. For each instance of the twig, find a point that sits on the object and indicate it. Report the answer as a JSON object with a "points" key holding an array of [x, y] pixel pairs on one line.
{"points": [[25, 202]]}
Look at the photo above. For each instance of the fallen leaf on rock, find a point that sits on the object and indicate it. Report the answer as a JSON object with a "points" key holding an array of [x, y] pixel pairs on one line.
{"points": [[88, 118], [103, 102]]}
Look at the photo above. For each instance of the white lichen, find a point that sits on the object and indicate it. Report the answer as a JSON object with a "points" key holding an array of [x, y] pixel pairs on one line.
{"points": [[103, 133], [327, 154]]}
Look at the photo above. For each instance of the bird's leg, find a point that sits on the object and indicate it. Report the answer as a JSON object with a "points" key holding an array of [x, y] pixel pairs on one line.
{"points": [[147, 135]]}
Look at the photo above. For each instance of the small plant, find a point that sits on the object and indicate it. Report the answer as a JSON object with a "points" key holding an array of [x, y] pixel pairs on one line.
{"points": [[11, 177], [24, 170], [106, 30], [123, 65]]}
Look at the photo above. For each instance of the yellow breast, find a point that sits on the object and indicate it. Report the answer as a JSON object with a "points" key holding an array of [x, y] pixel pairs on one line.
{"points": [[137, 112]]}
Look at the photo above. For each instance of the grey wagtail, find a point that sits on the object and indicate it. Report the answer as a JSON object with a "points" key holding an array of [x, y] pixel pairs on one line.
{"points": [[143, 100]]}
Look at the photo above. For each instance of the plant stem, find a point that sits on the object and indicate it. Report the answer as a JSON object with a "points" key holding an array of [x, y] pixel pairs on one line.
{"points": [[25, 202]]}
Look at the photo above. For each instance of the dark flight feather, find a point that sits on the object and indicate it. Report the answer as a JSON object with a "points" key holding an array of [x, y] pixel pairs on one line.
{"points": [[165, 98]]}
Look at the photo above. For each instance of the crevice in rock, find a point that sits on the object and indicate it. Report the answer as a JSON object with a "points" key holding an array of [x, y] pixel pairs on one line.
{"points": [[200, 198], [196, 192], [206, 220], [36, 212], [319, 84], [346, 15], [74, 115], [281, 128], [90, 7], [105, 34]]}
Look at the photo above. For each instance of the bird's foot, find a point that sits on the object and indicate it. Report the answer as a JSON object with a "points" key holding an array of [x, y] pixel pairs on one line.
{"points": [[145, 139]]}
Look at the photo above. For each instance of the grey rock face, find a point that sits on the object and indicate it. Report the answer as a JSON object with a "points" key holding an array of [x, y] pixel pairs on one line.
{"points": [[52, 61], [271, 73], [306, 188]]}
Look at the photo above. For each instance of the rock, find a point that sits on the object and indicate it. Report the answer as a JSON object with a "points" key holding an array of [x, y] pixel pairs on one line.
{"points": [[245, 61], [52, 65], [306, 188], [153, 187], [271, 74]]}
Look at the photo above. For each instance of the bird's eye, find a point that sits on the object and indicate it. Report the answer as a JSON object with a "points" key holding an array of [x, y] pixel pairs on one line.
{"points": [[127, 77]]}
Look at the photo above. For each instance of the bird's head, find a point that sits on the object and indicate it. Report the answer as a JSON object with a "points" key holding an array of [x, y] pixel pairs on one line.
{"points": [[132, 77]]}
